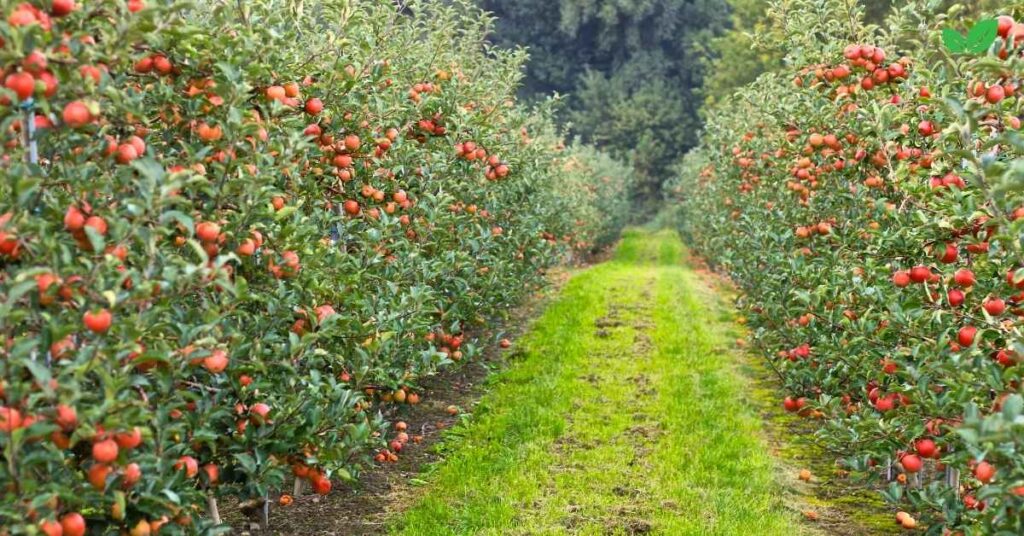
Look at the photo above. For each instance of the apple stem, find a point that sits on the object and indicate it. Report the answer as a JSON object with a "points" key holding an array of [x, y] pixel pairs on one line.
{"points": [[211, 508]]}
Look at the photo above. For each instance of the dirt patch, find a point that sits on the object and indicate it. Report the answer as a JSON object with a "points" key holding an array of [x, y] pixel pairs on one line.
{"points": [[644, 386], [608, 322], [365, 508], [642, 345], [637, 526]]}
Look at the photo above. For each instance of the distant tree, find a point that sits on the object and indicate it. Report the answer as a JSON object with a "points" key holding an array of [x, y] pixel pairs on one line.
{"points": [[631, 69]]}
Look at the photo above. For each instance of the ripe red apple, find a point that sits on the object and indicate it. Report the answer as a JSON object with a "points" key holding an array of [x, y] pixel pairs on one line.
{"points": [[126, 153], [212, 473], [162, 65], [60, 8], [74, 220], [73, 524], [955, 297], [321, 485], [66, 418], [352, 142], [994, 306], [793, 405], [259, 412], [964, 277], [911, 463], [884, 404], [926, 447], [994, 94], [97, 223], [22, 84], [98, 321], [132, 474], [323, 312], [314, 106], [76, 114], [35, 62], [926, 128], [189, 464], [105, 451], [129, 440], [207, 231], [351, 207], [948, 254], [10, 419], [901, 279], [51, 527], [984, 472], [247, 248], [97, 476], [217, 361], [276, 93], [920, 274], [1011, 280], [966, 335], [1004, 25]]}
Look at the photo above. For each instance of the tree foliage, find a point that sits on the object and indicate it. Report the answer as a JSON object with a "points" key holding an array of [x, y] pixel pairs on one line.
{"points": [[632, 69], [250, 230], [867, 198]]}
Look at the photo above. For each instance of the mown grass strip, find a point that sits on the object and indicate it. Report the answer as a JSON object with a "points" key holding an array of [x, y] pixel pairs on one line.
{"points": [[624, 415]]}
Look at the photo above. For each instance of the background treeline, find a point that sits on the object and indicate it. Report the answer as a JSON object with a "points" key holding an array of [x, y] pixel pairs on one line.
{"points": [[637, 74]]}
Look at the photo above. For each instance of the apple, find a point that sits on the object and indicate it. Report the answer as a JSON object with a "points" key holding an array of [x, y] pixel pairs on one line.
{"points": [[73, 524], [984, 472], [966, 335], [97, 321], [105, 451]]}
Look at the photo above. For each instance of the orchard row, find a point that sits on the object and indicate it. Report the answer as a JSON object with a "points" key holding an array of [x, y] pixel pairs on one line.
{"points": [[235, 235], [869, 204]]}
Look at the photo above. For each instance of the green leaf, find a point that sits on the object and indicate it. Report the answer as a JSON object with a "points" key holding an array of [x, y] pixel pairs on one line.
{"points": [[180, 217], [970, 436], [981, 36], [39, 372], [17, 291], [95, 238], [247, 462], [1012, 407], [953, 40]]}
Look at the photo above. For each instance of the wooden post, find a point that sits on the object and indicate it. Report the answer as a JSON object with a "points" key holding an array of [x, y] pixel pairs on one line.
{"points": [[336, 237], [28, 132], [211, 508], [265, 513]]}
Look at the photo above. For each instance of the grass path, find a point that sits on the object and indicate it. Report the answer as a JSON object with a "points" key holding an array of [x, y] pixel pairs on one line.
{"points": [[623, 414]]}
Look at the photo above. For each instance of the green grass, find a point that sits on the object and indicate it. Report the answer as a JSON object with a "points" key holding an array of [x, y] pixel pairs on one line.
{"points": [[623, 414]]}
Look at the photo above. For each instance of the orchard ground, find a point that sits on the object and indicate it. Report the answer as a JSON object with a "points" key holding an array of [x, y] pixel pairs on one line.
{"points": [[628, 407]]}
